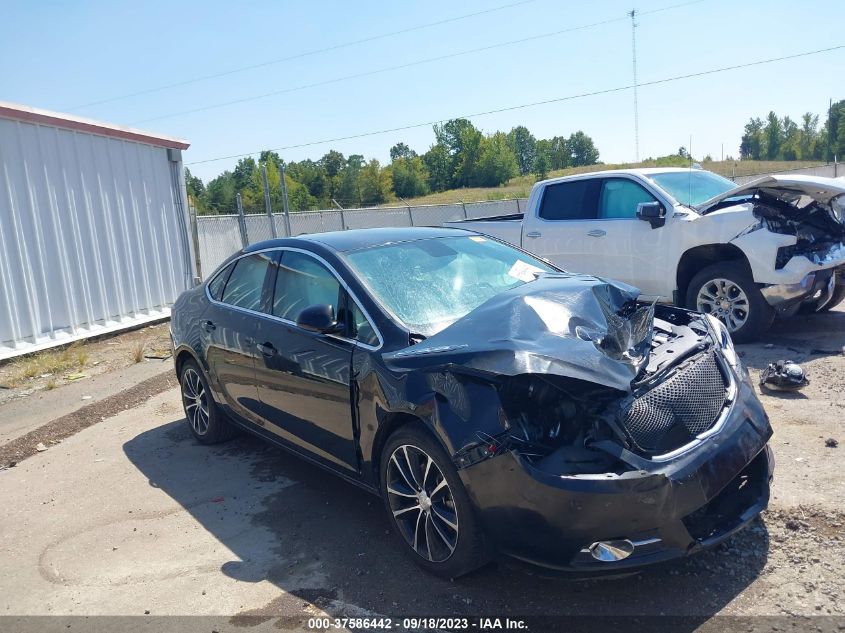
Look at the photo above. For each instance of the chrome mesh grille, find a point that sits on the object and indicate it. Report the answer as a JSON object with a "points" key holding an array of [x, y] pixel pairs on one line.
{"points": [[678, 409]]}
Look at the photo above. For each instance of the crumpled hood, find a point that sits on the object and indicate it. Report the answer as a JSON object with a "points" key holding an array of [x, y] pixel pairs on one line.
{"points": [[564, 324], [786, 188]]}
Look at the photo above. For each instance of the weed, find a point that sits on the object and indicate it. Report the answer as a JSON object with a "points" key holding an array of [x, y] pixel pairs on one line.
{"points": [[51, 384], [138, 352]]}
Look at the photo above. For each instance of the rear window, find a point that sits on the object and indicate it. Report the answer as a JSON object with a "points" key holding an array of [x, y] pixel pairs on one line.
{"points": [[574, 200], [246, 283], [215, 286]]}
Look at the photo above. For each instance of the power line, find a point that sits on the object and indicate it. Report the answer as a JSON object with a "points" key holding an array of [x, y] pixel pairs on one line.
{"points": [[419, 62], [309, 53], [582, 95]]}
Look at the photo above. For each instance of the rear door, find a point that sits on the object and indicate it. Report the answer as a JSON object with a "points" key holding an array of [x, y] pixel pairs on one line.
{"points": [[304, 377], [229, 326], [560, 231]]}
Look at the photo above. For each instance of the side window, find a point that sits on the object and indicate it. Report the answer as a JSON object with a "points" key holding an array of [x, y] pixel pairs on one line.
{"points": [[573, 200], [620, 197], [362, 329], [215, 286], [302, 281], [245, 284]]}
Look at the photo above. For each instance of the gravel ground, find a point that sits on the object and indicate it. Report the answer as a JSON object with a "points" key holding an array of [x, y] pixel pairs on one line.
{"points": [[245, 531]]}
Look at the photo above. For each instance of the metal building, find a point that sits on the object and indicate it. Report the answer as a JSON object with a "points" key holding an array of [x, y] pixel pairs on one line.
{"points": [[94, 228]]}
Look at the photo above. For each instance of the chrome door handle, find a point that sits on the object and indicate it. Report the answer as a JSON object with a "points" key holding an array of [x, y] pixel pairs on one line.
{"points": [[597, 233], [533, 234]]}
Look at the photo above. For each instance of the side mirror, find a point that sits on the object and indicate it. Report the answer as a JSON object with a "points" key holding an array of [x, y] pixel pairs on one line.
{"points": [[652, 212], [318, 318]]}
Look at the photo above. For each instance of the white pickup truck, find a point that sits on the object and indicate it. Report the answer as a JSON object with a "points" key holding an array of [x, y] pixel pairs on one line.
{"points": [[742, 253]]}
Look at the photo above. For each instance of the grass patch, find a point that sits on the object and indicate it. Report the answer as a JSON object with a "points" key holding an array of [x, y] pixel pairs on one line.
{"points": [[137, 353], [48, 363]]}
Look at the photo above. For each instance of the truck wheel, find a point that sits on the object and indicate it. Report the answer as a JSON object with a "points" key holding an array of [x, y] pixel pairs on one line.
{"points": [[728, 292]]}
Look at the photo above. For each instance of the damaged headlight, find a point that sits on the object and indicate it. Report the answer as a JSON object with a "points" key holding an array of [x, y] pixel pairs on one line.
{"points": [[723, 338]]}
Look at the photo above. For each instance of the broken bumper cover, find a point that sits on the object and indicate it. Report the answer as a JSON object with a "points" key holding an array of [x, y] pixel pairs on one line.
{"points": [[786, 298], [692, 502]]}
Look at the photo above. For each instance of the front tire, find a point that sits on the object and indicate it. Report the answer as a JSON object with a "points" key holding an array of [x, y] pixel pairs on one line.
{"points": [[207, 422], [427, 505], [728, 292]]}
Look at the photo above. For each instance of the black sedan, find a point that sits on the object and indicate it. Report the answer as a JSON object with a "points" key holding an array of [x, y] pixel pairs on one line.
{"points": [[498, 405]]}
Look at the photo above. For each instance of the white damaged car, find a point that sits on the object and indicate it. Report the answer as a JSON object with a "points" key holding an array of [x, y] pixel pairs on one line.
{"points": [[744, 254]]}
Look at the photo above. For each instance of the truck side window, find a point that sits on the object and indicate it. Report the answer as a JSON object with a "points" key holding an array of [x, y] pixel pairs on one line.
{"points": [[620, 197], [573, 200]]}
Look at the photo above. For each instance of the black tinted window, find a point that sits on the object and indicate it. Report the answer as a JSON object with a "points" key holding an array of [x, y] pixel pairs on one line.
{"points": [[302, 282], [575, 200], [243, 289], [216, 285]]}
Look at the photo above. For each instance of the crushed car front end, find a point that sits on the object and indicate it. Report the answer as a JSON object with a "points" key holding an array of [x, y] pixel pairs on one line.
{"points": [[612, 434]]}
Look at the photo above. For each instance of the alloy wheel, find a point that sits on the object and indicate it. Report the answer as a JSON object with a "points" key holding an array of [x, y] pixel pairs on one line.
{"points": [[195, 401], [422, 503], [725, 300]]}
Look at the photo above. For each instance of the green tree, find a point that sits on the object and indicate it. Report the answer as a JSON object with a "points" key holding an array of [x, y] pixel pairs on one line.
{"points": [[349, 189], [312, 175], [791, 149], [751, 145], [438, 164], [400, 150], [242, 174], [462, 141], [196, 190], [524, 146], [220, 194], [582, 150], [375, 184], [541, 164], [497, 163], [560, 156], [773, 133], [809, 133], [410, 176]]}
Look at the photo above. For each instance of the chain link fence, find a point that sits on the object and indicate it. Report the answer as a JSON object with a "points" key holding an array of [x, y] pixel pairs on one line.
{"points": [[218, 236]]}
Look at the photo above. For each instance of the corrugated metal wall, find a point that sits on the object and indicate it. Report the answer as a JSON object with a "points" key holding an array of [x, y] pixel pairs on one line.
{"points": [[93, 235]]}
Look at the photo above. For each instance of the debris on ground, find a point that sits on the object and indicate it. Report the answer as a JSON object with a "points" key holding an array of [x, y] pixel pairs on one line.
{"points": [[40, 447], [792, 524], [831, 442], [76, 376], [785, 375]]}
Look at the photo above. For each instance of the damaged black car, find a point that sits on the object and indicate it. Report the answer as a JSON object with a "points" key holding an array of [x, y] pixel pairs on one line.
{"points": [[498, 405]]}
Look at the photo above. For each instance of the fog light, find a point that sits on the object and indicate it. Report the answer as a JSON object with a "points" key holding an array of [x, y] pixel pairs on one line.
{"points": [[609, 551]]}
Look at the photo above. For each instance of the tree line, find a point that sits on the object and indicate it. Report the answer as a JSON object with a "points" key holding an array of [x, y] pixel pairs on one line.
{"points": [[461, 156], [777, 138]]}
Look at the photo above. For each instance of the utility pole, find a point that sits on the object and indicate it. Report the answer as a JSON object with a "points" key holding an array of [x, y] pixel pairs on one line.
{"points": [[633, 15], [829, 131]]}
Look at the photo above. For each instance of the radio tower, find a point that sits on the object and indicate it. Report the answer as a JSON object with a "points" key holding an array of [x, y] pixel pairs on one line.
{"points": [[633, 15]]}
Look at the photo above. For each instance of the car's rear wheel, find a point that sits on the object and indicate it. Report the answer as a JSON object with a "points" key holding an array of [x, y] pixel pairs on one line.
{"points": [[208, 423], [428, 506], [728, 292]]}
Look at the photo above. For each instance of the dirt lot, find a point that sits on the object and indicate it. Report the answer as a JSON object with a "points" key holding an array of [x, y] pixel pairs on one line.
{"points": [[50, 369], [131, 516]]}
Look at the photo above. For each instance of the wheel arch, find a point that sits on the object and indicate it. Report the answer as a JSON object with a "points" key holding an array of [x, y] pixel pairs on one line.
{"points": [[390, 423], [694, 259]]}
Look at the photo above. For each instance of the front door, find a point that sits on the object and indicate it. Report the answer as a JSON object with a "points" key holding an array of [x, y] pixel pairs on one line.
{"points": [[304, 377]]}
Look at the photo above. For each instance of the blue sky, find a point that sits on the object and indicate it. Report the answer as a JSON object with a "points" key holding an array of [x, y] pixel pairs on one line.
{"points": [[59, 55]]}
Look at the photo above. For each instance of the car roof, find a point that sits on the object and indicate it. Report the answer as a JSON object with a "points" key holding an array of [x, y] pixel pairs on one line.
{"points": [[356, 239], [634, 171]]}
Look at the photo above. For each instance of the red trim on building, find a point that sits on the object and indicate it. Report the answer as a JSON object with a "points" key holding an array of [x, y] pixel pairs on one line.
{"points": [[70, 122]]}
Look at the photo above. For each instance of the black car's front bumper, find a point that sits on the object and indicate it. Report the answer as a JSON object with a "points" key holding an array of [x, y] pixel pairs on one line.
{"points": [[675, 508]]}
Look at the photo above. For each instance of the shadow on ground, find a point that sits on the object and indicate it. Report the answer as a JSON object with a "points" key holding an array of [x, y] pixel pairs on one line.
{"points": [[325, 542]]}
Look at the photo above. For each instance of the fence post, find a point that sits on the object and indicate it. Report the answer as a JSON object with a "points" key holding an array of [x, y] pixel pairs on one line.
{"points": [[192, 213], [518, 209], [835, 167], [242, 221], [267, 207], [464, 206], [285, 199]]}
